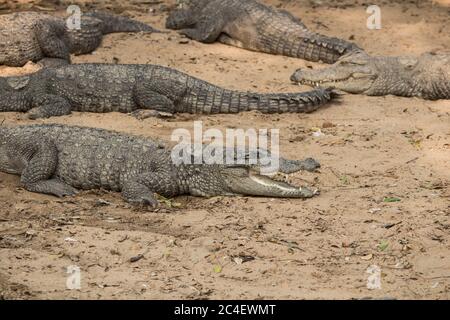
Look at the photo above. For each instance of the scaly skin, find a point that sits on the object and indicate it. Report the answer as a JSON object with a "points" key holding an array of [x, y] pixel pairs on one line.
{"points": [[58, 160], [138, 88], [254, 26], [427, 76], [32, 36]]}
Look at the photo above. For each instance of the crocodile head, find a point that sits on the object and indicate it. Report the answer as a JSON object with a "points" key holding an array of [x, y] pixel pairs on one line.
{"points": [[363, 74], [217, 180], [354, 73]]}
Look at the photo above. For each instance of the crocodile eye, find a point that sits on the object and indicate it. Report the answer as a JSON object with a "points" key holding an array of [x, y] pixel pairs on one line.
{"points": [[407, 62], [346, 62], [356, 62]]}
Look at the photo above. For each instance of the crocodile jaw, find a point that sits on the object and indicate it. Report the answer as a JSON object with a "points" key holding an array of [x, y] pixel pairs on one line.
{"points": [[248, 182], [355, 72], [352, 79]]}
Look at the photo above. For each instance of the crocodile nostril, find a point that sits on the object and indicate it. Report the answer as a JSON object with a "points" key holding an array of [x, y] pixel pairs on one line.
{"points": [[294, 77]]}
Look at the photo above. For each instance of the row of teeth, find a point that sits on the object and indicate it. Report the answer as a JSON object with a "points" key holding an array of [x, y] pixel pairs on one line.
{"points": [[317, 83]]}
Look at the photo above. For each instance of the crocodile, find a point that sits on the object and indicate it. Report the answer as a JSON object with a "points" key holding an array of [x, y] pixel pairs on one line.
{"points": [[35, 36], [143, 90], [59, 160], [255, 26], [426, 76]]}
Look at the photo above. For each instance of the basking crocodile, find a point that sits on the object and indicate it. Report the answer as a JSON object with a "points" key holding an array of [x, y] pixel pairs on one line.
{"points": [[254, 26], [58, 160], [33, 36], [427, 76], [146, 90]]}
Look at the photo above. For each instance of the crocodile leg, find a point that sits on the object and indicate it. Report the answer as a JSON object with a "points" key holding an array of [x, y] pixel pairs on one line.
{"points": [[36, 160], [226, 39], [52, 186], [50, 36], [141, 190], [49, 105], [180, 19], [206, 30], [15, 101], [87, 38], [151, 103], [136, 192]]}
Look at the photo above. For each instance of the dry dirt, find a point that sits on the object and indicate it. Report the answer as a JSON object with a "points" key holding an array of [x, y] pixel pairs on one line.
{"points": [[372, 148]]}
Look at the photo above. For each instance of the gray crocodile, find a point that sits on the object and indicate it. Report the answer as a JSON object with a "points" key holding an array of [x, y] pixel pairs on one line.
{"points": [[254, 26], [144, 90], [427, 76], [33, 36], [58, 160]]}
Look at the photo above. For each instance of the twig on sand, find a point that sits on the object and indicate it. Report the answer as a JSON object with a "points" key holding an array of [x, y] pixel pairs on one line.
{"points": [[412, 160]]}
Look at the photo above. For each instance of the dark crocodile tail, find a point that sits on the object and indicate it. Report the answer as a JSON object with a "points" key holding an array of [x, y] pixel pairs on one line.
{"points": [[287, 102], [228, 101], [315, 47], [115, 23], [326, 49]]}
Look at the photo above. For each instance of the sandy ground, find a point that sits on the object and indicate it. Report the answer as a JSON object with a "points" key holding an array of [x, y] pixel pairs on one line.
{"points": [[372, 149]]}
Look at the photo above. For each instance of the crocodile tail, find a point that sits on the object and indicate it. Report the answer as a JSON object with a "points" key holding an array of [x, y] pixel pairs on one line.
{"points": [[228, 101], [327, 49], [113, 23], [313, 47], [302, 102], [202, 97]]}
